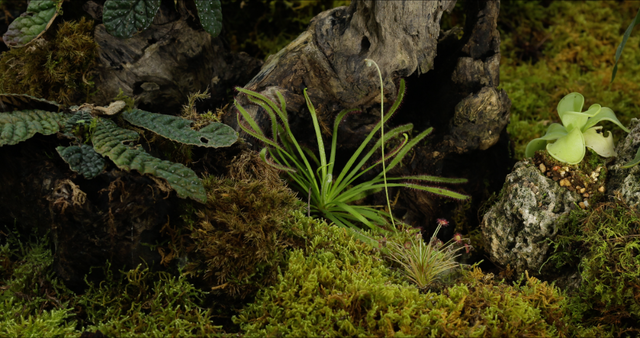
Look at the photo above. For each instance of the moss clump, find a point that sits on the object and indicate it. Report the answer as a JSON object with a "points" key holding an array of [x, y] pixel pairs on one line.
{"points": [[338, 286], [242, 233], [605, 245], [59, 69], [144, 303]]}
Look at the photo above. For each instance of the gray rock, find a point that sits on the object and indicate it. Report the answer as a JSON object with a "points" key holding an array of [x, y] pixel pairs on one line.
{"points": [[625, 183], [526, 214]]}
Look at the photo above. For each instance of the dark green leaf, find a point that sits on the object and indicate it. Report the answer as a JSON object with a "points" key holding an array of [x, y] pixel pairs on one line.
{"points": [[626, 35], [19, 126], [33, 23], [123, 18], [82, 159], [210, 16]]}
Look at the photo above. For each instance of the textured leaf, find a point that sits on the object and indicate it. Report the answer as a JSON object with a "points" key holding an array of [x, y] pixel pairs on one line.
{"points": [[123, 18], [11, 102], [178, 129], [108, 140], [33, 23], [80, 117], [210, 16], [82, 159], [19, 126]]}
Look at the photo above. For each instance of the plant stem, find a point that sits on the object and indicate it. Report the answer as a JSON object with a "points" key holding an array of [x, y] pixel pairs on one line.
{"points": [[384, 169]]}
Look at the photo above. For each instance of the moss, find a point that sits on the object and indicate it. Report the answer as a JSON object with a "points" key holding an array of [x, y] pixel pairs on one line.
{"points": [[548, 52], [33, 302], [144, 303], [59, 69], [605, 247], [338, 286], [242, 233]]}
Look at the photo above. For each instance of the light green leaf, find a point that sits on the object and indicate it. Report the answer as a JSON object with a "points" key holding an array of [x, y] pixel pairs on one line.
{"points": [[19, 126], [554, 132], [574, 120], [572, 102], [603, 146], [569, 149], [82, 159], [178, 129], [123, 18], [210, 14], [33, 23], [605, 114], [108, 140]]}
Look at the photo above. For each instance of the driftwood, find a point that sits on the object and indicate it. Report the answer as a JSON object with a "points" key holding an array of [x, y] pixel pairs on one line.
{"points": [[161, 66], [452, 80]]}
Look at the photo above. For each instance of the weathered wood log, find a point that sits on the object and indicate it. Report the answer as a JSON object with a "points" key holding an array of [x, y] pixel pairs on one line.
{"points": [[452, 80], [162, 65]]}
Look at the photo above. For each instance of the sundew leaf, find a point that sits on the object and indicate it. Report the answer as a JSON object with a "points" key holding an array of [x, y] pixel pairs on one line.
{"points": [[20, 126], [210, 14], [178, 129], [32, 23], [108, 140], [123, 18], [82, 159]]}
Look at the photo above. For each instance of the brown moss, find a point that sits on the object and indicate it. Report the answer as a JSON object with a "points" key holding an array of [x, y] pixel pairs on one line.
{"points": [[59, 70]]}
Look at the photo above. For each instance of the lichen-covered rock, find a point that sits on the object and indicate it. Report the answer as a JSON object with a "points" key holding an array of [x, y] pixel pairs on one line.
{"points": [[625, 183], [527, 213]]}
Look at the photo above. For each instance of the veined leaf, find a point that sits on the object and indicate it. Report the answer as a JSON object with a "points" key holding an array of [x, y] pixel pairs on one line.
{"points": [[210, 14], [11, 102], [108, 140], [82, 159], [178, 129], [123, 18], [33, 23], [19, 126]]}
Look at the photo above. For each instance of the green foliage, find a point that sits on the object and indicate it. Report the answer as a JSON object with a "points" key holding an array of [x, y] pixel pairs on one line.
{"points": [[82, 159], [59, 70], [338, 287], [123, 18], [576, 132], [20, 126], [33, 303], [108, 140], [143, 303], [333, 196], [625, 37], [178, 129], [604, 244], [550, 51], [33, 23], [425, 263], [243, 232], [210, 14], [11, 102]]}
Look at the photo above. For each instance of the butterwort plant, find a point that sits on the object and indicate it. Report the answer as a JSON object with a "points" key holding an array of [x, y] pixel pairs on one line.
{"points": [[567, 142]]}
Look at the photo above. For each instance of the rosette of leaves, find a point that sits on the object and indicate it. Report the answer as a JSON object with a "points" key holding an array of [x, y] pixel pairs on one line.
{"points": [[33, 23], [577, 131], [124, 18]]}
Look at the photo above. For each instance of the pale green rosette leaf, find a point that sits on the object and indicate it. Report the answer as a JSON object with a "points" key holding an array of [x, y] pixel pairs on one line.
{"points": [[605, 114], [554, 132], [123, 18], [602, 145], [572, 102], [593, 110], [33, 23], [569, 149], [574, 120]]}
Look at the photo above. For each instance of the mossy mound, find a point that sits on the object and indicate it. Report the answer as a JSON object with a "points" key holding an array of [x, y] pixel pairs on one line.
{"points": [[604, 244], [338, 286], [58, 69], [242, 233]]}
